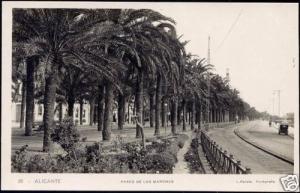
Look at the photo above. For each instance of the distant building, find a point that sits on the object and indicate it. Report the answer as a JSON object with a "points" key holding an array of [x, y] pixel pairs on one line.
{"points": [[290, 118], [39, 112]]}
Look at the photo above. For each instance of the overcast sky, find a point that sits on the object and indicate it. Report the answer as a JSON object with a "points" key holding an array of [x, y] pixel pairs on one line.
{"points": [[257, 42]]}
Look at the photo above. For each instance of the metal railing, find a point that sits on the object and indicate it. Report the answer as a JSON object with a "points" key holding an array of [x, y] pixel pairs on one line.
{"points": [[220, 161]]}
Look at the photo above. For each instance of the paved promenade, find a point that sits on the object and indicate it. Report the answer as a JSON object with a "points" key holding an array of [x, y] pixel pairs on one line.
{"points": [[92, 135]]}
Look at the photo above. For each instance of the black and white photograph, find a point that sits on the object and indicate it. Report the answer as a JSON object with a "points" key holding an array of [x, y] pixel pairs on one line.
{"points": [[150, 96]]}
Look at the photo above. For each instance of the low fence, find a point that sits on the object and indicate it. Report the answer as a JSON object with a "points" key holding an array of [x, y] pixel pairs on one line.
{"points": [[220, 161]]}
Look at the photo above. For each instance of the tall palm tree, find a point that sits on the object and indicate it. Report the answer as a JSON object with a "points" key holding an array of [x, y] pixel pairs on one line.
{"points": [[58, 28], [19, 78], [28, 53], [195, 85], [136, 34]]}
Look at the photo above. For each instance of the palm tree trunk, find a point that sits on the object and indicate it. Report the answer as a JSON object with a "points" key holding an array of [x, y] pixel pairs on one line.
{"points": [[80, 110], [179, 109], [184, 115], [60, 116], [100, 107], [199, 116], [157, 105], [144, 114], [49, 102], [152, 109], [92, 110], [134, 109], [95, 119], [163, 113], [128, 111], [173, 115], [106, 132], [196, 114], [193, 114], [223, 115], [71, 102], [139, 101], [31, 62], [23, 103], [121, 111]]}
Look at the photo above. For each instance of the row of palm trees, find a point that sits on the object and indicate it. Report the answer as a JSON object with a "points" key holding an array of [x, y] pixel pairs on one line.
{"points": [[62, 56]]}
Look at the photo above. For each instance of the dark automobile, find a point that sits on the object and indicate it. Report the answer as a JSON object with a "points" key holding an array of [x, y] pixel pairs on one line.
{"points": [[283, 128]]}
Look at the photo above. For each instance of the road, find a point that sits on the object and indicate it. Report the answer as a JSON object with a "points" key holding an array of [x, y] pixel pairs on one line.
{"points": [[268, 138], [259, 161]]}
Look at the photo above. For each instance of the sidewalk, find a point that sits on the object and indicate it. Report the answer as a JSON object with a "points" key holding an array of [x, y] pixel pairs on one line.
{"points": [[92, 135], [181, 167]]}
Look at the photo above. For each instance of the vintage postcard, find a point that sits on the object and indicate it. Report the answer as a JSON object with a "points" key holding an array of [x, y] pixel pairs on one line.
{"points": [[150, 96]]}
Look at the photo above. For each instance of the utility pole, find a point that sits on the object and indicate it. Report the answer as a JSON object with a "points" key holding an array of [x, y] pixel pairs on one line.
{"points": [[227, 75], [279, 103], [273, 112], [278, 94]]}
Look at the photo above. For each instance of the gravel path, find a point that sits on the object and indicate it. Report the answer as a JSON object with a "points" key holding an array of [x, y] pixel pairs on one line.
{"points": [[181, 167]]}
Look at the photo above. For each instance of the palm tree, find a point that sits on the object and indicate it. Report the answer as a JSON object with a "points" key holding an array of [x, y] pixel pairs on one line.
{"points": [[19, 78], [121, 111], [58, 28], [157, 104], [100, 106], [106, 132], [27, 52], [137, 37], [195, 86], [31, 63]]}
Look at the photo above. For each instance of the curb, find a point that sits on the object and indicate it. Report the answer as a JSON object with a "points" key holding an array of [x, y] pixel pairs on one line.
{"points": [[283, 158]]}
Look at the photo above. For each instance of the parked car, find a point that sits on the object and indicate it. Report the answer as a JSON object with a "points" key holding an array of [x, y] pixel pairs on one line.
{"points": [[283, 128]]}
